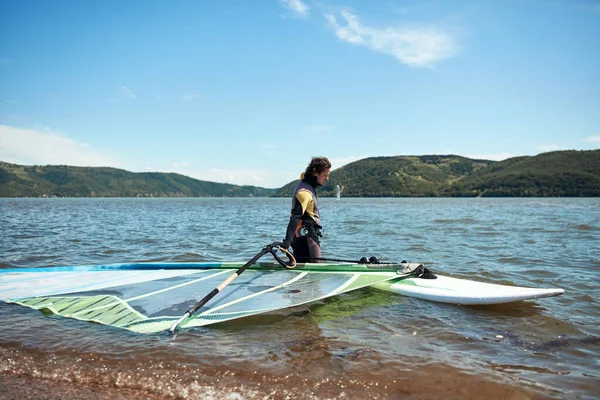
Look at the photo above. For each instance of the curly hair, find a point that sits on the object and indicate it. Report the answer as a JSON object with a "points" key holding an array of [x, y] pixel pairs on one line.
{"points": [[317, 165]]}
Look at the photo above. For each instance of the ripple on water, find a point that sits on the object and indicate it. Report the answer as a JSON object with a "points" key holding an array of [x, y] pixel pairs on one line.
{"points": [[366, 342], [584, 227]]}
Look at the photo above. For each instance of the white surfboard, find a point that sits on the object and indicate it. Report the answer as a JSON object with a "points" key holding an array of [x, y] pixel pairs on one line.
{"points": [[445, 289]]}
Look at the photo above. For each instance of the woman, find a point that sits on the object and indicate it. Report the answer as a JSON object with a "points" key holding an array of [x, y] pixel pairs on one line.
{"points": [[304, 228]]}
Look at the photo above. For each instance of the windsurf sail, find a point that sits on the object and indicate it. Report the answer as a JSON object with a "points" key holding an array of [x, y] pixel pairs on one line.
{"points": [[150, 297]]}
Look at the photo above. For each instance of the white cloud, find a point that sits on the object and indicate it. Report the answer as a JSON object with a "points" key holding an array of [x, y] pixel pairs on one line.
{"points": [[235, 176], [26, 146], [127, 92], [45, 147], [189, 97], [296, 6], [592, 139], [413, 46], [255, 177]]}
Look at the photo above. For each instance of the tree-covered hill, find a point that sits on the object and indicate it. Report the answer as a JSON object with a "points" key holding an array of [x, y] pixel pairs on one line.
{"points": [[559, 173], [400, 176], [554, 174], [67, 181]]}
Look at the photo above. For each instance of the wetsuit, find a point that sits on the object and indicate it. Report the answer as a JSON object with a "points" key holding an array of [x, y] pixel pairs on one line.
{"points": [[304, 229]]}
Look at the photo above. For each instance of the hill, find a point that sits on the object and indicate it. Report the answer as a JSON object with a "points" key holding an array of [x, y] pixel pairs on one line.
{"points": [[67, 181], [554, 174], [559, 173], [400, 176]]}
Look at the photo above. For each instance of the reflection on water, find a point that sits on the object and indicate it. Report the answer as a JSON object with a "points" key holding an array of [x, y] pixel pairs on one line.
{"points": [[371, 342]]}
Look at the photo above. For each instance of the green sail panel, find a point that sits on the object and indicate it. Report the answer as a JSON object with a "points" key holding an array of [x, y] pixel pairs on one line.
{"points": [[151, 304]]}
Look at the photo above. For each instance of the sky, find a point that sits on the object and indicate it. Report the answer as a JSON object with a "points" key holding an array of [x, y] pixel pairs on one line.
{"points": [[247, 92]]}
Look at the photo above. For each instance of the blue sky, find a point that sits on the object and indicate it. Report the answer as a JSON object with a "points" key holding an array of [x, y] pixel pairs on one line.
{"points": [[246, 92]]}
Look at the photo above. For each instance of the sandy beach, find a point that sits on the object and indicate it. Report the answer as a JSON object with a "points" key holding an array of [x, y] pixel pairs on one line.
{"points": [[24, 387]]}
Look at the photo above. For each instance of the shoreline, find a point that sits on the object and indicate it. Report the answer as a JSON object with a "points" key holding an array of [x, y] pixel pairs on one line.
{"points": [[26, 387]]}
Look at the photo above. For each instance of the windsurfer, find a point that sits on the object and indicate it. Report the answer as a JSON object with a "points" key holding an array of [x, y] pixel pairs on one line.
{"points": [[304, 229]]}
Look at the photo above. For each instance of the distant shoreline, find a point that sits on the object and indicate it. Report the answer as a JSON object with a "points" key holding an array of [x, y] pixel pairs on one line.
{"points": [[554, 174]]}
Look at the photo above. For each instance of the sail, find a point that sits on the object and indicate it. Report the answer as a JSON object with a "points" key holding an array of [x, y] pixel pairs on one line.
{"points": [[149, 300]]}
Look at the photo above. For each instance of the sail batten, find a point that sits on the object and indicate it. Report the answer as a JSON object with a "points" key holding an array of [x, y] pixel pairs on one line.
{"points": [[178, 286]]}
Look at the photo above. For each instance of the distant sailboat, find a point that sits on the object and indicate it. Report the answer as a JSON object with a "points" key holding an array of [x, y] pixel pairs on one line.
{"points": [[337, 192]]}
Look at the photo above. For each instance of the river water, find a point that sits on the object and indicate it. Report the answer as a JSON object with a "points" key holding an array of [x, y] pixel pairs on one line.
{"points": [[365, 344]]}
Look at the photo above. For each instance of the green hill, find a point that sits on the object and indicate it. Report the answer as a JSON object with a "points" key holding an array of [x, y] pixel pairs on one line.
{"points": [[560, 173], [554, 174], [401, 176], [66, 181]]}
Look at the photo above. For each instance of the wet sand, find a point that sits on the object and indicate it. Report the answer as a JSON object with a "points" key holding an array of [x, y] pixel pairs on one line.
{"points": [[24, 387]]}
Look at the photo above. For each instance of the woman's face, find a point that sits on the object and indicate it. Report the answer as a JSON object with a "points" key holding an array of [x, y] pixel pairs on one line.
{"points": [[323, 177]]}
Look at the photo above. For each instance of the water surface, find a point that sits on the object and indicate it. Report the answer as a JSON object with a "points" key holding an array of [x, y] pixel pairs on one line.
{"points": [[366, 344]]}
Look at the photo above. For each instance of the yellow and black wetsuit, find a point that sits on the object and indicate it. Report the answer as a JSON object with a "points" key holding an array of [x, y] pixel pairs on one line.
{"points": [[304, 229]]}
